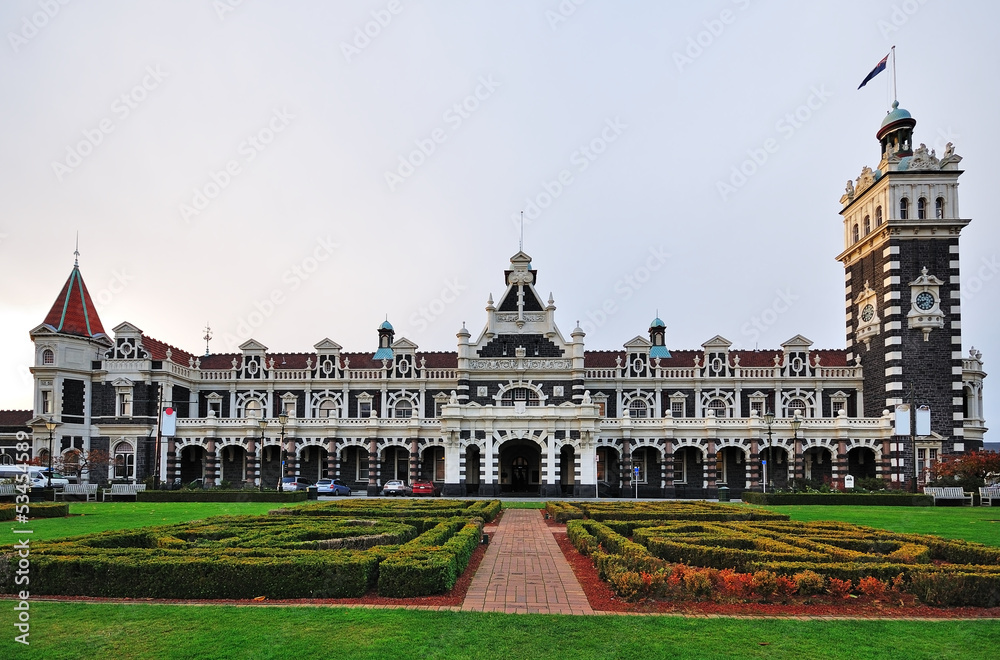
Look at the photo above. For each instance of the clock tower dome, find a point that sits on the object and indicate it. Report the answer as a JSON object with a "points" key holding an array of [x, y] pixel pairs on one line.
{"points": [[902, 295]]}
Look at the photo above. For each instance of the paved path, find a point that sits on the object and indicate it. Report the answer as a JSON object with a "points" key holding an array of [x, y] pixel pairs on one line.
{"points": [[524, 571]]}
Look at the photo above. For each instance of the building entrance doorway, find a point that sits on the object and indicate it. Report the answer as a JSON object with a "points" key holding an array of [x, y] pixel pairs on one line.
{"points": [[520, 468]]}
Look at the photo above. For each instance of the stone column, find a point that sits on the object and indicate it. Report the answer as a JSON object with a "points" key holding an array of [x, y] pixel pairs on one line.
{"points": [[211, 464], [753, 466], [840, 465], [252, 460], [709, 465], [415, 461], [373, 486], [332, 461], [668, 468]]}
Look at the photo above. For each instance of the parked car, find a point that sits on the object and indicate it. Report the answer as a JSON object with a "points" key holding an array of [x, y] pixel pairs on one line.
{"points": [[332, 487], [425, 487], [37, 477], [292, 484], [396, 487]]}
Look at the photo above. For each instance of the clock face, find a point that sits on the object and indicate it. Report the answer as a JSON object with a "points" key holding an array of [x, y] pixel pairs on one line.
{"points": [[868, 313], [925, 300]]}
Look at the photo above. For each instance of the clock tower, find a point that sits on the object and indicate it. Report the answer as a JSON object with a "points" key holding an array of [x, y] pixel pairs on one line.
{"points": [[902, 295]]}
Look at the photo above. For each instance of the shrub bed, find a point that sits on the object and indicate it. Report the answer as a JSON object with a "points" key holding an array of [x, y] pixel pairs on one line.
{"points": [[485, 509], [770, 560], [429, 565], [838, 499], [646, 511], [35, 510], [218, 495]]}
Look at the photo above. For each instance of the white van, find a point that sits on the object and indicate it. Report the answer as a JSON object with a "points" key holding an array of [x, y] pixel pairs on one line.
{"points": [[37, 475]]}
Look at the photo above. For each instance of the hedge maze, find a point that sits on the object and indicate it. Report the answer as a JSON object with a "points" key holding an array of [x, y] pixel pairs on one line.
{"points": [[335, 550], [706, 551]]}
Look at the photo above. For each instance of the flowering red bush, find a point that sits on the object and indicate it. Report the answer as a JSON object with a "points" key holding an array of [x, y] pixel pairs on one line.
{"points": [[839, 588], [786, 587]]}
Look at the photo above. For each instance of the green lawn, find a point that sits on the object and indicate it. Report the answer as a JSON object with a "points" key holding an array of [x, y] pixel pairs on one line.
{"points": [[517, 504], [88, 517], [980, 524], [74, 630]]}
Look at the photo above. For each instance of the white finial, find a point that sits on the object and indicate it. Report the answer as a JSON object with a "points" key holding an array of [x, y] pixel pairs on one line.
{"points": [[520, 240], [76, 252], [208, 336]]}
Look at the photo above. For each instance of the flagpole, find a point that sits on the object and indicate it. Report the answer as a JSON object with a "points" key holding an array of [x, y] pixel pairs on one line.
{"points": [[895, 96]]}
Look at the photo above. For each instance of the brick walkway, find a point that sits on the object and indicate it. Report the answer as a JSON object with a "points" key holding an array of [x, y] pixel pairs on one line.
{"points": [[524, 571]]}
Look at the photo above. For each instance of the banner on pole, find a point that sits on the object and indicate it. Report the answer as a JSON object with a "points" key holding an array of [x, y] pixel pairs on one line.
{"points": [[168, 425], [923, 420], [902, 419]]}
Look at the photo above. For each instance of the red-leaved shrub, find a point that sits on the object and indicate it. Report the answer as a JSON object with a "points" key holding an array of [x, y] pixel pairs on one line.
{"points": [[839, 588]]}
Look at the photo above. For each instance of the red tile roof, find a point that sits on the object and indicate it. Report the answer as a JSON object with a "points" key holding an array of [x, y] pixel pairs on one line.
{"points": [[73, 312], [158, 351], [15, 417], [763, 358]]}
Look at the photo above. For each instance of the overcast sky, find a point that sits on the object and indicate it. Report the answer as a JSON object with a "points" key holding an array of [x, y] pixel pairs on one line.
{"points": [[299, 170]]}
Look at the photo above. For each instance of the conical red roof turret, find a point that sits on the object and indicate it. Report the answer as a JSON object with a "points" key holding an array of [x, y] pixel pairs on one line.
{"points": [[73, 312]]}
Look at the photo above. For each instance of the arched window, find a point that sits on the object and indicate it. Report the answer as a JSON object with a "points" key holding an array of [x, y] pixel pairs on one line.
{"points": [[904, 208], [403, 409], [796, 406], [637, 409], [855, 236], [878, 216], [71, 463], [868, 225], [124, 461], [48, 357], [252, 409], [516, 395], [719, 407], [328, 408], [921, 209], [939, 207]]}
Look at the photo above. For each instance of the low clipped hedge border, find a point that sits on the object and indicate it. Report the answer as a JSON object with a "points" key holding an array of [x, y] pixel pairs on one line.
{"points": [[36, 510], [846, 499], [214, 495], [485, 509], [419, 569], [656, 511]]}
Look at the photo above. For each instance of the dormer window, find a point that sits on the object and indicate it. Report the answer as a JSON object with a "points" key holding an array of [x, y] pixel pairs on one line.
{"points": [[904, 208], [48, 357], [878, 216], [921, 209], [939, 208]]}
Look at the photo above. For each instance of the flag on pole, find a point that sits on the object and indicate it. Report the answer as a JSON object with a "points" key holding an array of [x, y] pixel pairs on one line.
{"points": [[879, 68]]}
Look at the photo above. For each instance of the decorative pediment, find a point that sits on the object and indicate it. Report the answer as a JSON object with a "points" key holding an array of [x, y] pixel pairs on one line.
{"points": [[638, 343], [405, 345], [253, 346], [717, 344], [798, 342], [122, 382], [327, 345], [126, 328]]}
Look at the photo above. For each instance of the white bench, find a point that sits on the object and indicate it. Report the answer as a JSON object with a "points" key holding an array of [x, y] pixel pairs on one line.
{"points": [[987, 494], [8, 490], [123, 490], [86, 490], [949, 493]]}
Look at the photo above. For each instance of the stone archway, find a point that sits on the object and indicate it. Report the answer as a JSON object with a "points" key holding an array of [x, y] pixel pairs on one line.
{"points": [[567, 472], [731, 470], [775, 467], [520, 467], [313, 462], [270, 466], [233, 463], [473, 467], [861, 463], [192, 463], [817, 466]]}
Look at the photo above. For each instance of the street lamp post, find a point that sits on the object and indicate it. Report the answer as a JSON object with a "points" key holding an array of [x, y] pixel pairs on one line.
{"points": [[768, 419], [796, 423], [51, 426], [282, 419], [262, 423]]}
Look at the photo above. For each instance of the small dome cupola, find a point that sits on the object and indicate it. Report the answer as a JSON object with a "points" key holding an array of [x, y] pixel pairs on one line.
{"points": [[385, 336], [657, 332], [896, 132]]}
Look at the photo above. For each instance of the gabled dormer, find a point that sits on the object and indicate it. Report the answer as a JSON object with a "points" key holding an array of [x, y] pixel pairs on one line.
{"points": [[637, 363], [716, 362], [405, 354], [795, 360], [327, 359], [128, 344], [254, 355]]}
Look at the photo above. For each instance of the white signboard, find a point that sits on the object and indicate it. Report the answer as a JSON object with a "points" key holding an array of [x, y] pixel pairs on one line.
{"points": [[902, 419], [849, 481], [168, 428], [923, 420]]}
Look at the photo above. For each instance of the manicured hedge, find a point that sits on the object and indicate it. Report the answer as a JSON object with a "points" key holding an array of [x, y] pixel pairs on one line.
{"points": [[35, 510], [419, 569], [839, 499], [214, 495], [440, 508], [665, 510]]}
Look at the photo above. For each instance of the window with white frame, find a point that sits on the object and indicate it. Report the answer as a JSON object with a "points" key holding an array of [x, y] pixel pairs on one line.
{"points": [[601, 401], [904, 208], [921, 209], [757, 406], [124, 456], [364, 405], [719, 407], [639, 460], [838, 402], [797, 407], [214, 404], [637, 409], [252, 409], [360, 464], [327, 408], [124, 402], [523, 395], [440, 399], [46, 403], [48, 357], [403, 409], [288, 402], [439, 464], [680, 466], [678, 405]]}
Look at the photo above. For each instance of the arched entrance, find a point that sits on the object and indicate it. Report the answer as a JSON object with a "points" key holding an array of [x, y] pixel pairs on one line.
{"points": [[731, 470], [233, 463], [396, 464], [270, 466], [567, 462], [192, 463], [312, 463], [775, 467], [520, 468], [817, 467], [472, 469], [861, 463]]}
